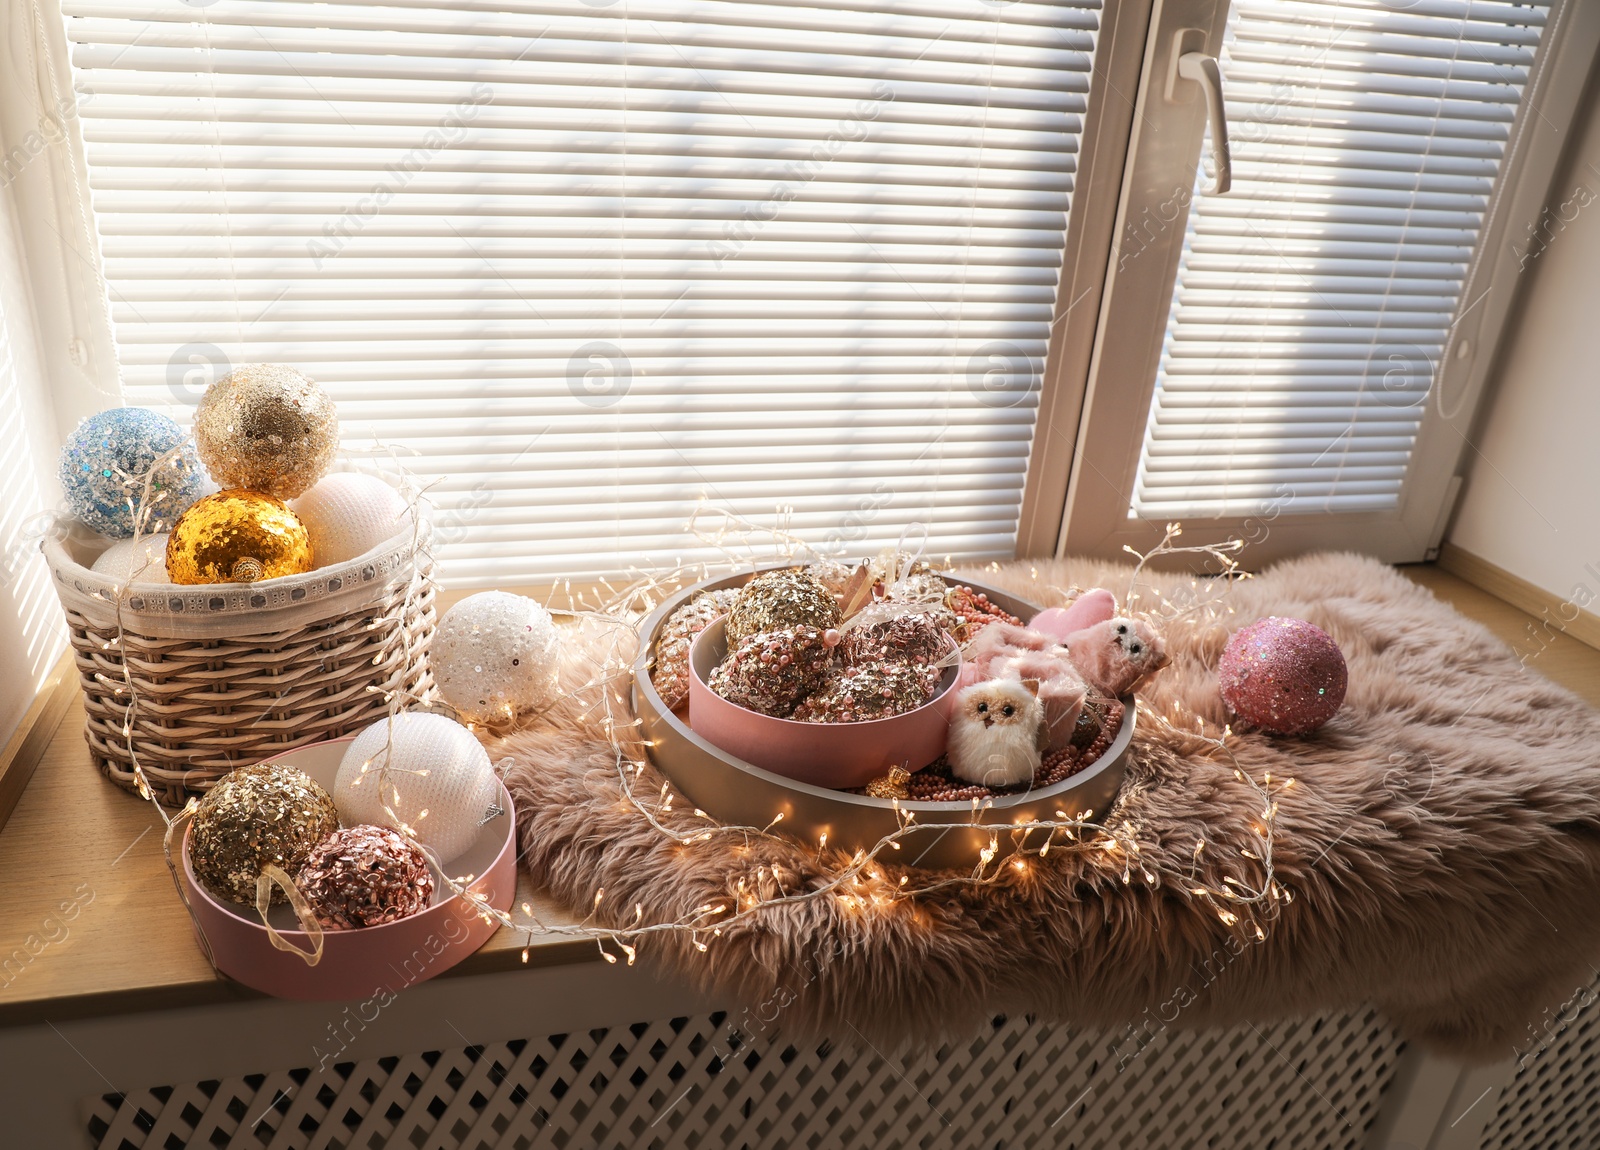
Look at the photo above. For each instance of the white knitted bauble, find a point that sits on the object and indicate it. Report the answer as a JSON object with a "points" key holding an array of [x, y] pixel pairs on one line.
{"points": [[434, 765], [348, 514], [149, 568], [494, 654]]}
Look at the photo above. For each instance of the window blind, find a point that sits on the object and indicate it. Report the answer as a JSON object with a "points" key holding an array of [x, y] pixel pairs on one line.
{"points": [[592, 265], [1313, 300]]}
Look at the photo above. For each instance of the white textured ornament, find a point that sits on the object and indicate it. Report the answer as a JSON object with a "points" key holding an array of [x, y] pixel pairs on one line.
{"points": [[494, 654], [142, 560], [347, 514], [412, 763]]}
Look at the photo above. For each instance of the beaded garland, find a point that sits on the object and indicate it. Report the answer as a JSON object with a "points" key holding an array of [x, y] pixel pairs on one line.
{"points": [[788, 597], [771, 671], [975, 610], [365, 876]]}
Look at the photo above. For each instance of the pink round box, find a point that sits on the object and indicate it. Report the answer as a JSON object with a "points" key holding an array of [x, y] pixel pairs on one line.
{"points": [[838, 755], [360, 964]]}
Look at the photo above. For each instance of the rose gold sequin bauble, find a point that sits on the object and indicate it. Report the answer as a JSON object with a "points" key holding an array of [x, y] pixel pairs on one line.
{"points": [[237, 537], [1286, 676], [267, 428], [365, 876]]}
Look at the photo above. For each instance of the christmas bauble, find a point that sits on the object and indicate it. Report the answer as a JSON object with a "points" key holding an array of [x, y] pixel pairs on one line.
{"points": [[253, 816], [348, 514], [495, 654], [908, 637], [110, 460], [365, 876], [237, 537], [267, 428], [142, 560], [1286, 676], [421, 770], [771, 671], [788, 597], [859, 694], [670, 674]]}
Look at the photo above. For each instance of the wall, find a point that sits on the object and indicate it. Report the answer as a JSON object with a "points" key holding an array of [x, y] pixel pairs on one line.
{"points": [[1531, 502]]}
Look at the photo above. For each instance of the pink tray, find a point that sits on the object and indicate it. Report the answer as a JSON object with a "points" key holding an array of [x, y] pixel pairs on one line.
{"points": [[823, 754], [366, 963]]}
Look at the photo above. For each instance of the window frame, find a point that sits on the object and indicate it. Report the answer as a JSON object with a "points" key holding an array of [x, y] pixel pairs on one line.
{"points": [[1120, 380]]}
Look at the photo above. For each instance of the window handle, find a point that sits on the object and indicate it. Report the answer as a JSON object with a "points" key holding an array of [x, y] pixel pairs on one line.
{"points": [[1203, 70]]}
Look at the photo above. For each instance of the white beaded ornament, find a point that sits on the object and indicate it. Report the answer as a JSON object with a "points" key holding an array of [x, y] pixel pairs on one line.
{"points": [[495, 654], [143, 561], [427, 769], [348, 514]]}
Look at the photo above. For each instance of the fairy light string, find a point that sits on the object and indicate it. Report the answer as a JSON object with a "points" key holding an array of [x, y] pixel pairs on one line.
{"points": [[870, 880]]}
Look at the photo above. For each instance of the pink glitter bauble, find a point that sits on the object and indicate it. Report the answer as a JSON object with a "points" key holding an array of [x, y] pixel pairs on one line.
{"points": [[1284, 675]]}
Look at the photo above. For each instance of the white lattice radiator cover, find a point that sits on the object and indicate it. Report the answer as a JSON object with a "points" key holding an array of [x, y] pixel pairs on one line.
{"points": [[697, 1082], [1554, 1100]]}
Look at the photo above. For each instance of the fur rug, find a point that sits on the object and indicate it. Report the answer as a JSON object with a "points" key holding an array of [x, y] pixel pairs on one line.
{"points": [[1442, 844]]}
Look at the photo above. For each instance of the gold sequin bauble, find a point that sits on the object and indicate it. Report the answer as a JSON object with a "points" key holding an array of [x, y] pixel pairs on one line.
{"points": [[267, 428], [254, 816], [776, 599], [237, 537]]}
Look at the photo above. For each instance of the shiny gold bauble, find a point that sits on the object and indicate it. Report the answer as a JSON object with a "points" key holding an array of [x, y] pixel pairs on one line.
{"points": [[268, 813], [266, 427], [788, 597], [237, 537]]}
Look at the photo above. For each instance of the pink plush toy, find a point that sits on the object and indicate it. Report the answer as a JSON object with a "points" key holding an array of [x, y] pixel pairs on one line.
{"points": [[1117, 654], [1114, 654], [1091, 607], [1006, 651]]}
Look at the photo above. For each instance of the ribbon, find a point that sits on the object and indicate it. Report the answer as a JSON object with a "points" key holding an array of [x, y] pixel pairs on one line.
{"points": [[273, 875]]}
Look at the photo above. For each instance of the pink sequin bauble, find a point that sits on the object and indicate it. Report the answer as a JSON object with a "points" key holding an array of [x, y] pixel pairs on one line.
{"points": [[1284, 675]]}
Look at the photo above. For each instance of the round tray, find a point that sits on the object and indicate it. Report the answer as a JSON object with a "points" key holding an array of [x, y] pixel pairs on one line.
{"points": [[375, 960], [948, 835]]}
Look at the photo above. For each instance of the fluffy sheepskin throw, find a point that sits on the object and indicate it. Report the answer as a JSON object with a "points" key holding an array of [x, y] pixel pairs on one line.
{"points": [[1442, 844]]}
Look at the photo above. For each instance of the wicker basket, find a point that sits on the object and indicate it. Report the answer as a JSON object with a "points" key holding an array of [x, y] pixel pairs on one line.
{"points": [[229, 674]]}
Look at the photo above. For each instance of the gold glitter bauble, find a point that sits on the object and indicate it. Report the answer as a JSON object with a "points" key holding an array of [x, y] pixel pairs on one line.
{"points": [[237, 537], [267, 428], [785, 598], [254, 816]]}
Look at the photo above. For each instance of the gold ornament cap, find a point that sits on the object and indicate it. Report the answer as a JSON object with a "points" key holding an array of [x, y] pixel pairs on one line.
{"points": [[268, 428], [237, 537]]}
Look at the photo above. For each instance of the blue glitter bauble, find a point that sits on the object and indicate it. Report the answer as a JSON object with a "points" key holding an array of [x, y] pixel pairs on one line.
{"points": [[104, 464]]}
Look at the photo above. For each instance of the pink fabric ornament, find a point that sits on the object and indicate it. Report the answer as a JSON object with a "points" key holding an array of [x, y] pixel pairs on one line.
{"points": [[1286, 676], [1118, 654], [1093, 606], [1006, 651]]}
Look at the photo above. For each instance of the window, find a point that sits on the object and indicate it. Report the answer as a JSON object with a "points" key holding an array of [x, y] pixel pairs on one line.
{"points": [[1314, 300], [589, 267], [589, 264]]}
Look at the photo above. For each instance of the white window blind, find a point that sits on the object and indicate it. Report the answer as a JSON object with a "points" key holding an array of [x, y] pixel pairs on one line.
{"points": [[1314, 299], [594, 264]]}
